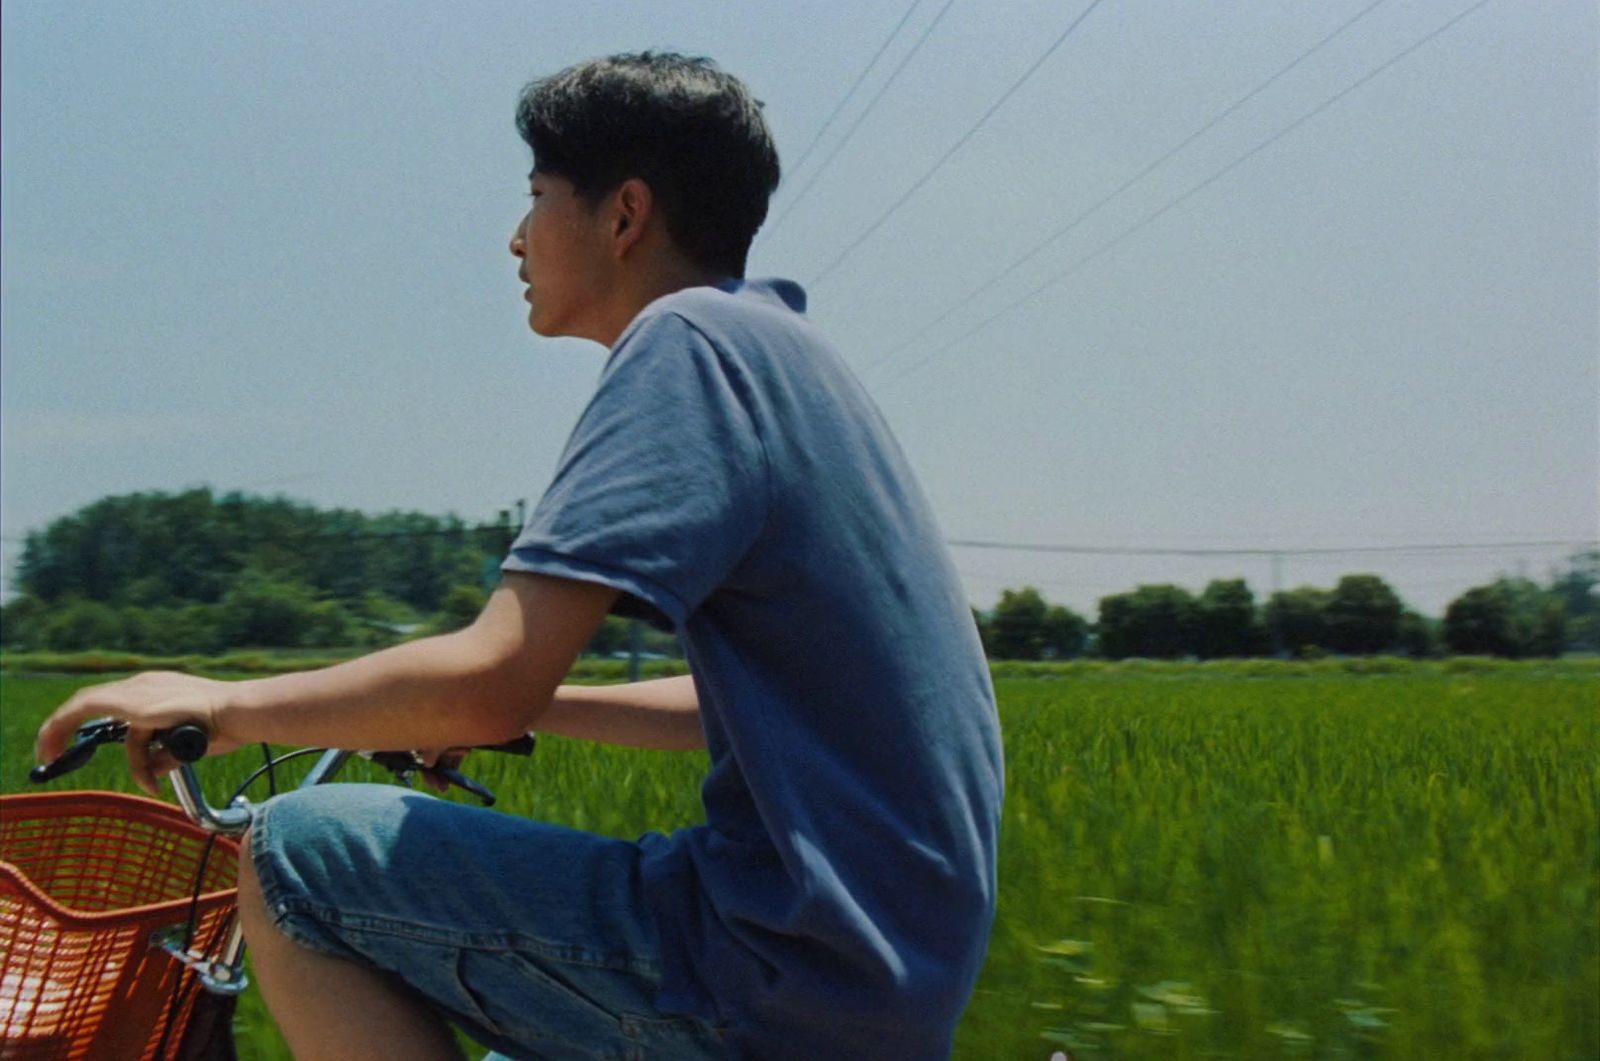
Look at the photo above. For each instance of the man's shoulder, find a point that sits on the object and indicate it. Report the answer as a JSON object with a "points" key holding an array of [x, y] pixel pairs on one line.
{"points": [[734, 305], [758, 328]]}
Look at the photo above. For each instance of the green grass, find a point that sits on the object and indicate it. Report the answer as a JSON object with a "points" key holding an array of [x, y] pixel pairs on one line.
{"points": [[1214, 861]]}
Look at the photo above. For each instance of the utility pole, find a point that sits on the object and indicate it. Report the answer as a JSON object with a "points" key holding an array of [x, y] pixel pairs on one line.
{"points": [[491, 564], [635, 643], [1277, 587]]}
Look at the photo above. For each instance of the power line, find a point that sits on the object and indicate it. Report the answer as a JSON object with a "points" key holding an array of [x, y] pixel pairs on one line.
{"points": [[259, 537], [851, 91], [1263, 551], [822, 168], [1218, 175], [1124, 186], [957, 146]]}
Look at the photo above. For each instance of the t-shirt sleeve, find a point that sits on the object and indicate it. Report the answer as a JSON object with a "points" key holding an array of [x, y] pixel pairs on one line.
{"points": [[662, 487]]}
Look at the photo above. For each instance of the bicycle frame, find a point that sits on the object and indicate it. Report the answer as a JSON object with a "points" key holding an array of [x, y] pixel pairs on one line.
{"points": [[225, 975]]}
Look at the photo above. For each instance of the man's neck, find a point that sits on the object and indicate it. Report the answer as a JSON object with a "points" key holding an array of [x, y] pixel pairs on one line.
{"points": [[639, 289]]}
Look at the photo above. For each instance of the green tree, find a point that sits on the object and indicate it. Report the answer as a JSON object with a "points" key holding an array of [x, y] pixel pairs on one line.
{"points": [[1065, 633], [612, 636], [82, 624], [1508, 617], [459, 608], [1297, 620], [1578, 588], [22, 623], [1154, 622], [262, 612], [199, 628], [1018, 629], [1579, 585], [1478, 623], [1225, 620], [330, 625], [151, 549], [1418, 636], [172, 630], [1363, 615]]}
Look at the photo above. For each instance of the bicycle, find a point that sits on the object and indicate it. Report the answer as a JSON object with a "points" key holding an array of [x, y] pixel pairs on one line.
{"points": [[118, 929]]}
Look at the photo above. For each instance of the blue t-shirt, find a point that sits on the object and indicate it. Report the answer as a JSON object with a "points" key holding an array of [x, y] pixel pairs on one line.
{"points": [[732, 475]]}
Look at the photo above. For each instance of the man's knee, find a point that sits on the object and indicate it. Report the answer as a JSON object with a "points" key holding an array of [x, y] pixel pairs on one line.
{"points": [[311, 853], [252, 906]]}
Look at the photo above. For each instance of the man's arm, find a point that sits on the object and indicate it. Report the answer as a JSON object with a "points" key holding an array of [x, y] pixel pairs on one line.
{"points": [[481, 685], [664, 714]]}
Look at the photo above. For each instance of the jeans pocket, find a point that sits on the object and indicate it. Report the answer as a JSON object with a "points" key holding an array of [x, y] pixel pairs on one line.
{"points": [[460, 998], [556, 1009]]}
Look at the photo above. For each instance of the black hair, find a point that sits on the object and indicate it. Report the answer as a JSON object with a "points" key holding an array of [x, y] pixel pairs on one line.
{"points": [[693, 133]]}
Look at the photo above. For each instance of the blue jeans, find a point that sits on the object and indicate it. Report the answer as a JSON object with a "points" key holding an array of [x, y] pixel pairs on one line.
{"points": [[535, 939]]}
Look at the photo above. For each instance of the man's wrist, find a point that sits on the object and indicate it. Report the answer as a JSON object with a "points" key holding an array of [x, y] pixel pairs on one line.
{"points": [[230, 719]]}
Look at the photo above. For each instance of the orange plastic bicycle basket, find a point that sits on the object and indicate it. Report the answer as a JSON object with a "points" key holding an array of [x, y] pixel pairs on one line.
{"points": [[85, 879]]}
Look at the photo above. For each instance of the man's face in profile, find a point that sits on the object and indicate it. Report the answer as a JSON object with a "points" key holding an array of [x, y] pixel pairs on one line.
{"points": [[561, 245]]}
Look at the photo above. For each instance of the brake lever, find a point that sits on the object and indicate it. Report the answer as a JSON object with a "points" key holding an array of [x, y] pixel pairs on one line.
{"points": [[457, 778], [405, 766], [85, 740]]}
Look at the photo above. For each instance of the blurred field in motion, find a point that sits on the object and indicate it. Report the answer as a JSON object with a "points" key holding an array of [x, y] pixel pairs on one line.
{"points": [[1210, 861]]}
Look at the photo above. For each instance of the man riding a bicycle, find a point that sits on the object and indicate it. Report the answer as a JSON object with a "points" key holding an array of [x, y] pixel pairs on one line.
{"points": [[729, 478]]}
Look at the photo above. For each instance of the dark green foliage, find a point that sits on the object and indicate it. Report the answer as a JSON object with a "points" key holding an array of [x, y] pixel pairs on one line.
{"points": [[263, 612], [1511, 617], [1226, 623], [1016, 629], [1296, 619], [1579, 585], [1363, 615], [1578, 589], [1066, 633], [195, 573], [1479, 622], [157, 548], [21, 621], [1154, 622], [460, 608], [611, 637], [1024, 626], [191, 572], [1418, 636], [82, 624]]}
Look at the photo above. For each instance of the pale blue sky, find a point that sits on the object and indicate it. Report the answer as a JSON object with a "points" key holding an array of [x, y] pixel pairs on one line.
{"points": [[263, 247]]}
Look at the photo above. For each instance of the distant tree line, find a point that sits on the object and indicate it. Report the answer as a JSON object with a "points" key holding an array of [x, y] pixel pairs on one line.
{"points": [[193, 572], [1360, 615]]}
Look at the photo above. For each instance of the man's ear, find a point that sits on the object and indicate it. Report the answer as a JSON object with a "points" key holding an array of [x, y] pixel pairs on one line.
{"points": [[635, 206]]}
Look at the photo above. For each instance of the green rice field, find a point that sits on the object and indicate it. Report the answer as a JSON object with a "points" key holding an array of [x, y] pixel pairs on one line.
{"points": [[1211, 861]]}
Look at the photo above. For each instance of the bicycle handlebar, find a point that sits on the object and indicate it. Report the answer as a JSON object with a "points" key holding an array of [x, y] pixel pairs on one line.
{"points": [[188, 742]]}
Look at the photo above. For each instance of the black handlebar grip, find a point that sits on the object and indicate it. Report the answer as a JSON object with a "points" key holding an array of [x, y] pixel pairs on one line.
{"points": [[187, 742], [69, 760]]}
